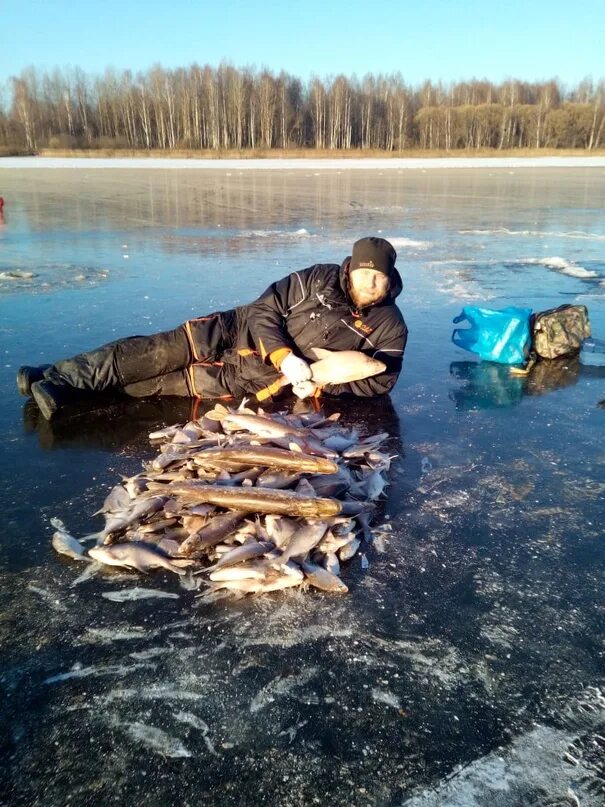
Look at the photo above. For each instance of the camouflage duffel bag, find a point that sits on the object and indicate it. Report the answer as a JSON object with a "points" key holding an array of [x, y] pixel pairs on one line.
{"points": [[560, 331]]}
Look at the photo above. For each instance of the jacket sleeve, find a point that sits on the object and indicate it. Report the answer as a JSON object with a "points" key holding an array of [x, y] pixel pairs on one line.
{"points": [[389, 350], [268, 314]]}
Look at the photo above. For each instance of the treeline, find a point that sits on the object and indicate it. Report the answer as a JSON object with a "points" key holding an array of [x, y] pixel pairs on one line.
{"points": [[226, 108]]}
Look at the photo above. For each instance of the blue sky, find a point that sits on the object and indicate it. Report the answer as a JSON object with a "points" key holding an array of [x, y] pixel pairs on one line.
{"points": [[530, 40]]}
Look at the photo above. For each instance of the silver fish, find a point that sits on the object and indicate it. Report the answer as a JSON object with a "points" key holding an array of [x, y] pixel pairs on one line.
{"points": [[266, 427], [340, 442], [280, 529], [242, 553], [247, 571], [114, 522], [66, 544], [366, 446], [140, 556], [343, 366], [117, 499], [323, 579], [260, 586], [331, 563], [375, 485], [277, 479], [347, 551], [303, 540]]}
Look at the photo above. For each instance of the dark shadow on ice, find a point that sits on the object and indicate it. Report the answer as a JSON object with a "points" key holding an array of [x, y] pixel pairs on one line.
{"points": [[109, 424], [487, 385]]}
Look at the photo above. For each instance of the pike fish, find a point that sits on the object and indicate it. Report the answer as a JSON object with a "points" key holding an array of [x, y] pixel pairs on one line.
{"points": [[260, 500], [237, 459]]}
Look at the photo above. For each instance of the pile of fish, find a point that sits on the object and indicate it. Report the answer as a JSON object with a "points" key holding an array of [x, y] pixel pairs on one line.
{"points": [[243, 501]]}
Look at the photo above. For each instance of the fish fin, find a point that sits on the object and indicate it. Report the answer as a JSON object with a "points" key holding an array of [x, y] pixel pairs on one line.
{"points": [[183, 563], [322, 353]]}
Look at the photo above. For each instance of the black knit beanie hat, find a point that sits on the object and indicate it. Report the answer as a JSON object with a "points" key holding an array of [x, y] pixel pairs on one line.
{"points": [[373, 253]]}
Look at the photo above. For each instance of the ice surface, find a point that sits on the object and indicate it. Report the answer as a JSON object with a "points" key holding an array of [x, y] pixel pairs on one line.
{"points": [[460, 659]]}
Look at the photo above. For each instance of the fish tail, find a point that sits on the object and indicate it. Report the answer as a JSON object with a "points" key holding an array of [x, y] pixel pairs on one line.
{"points": [[97, 537]]}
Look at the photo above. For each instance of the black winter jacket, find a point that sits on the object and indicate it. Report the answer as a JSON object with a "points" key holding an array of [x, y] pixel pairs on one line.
{"points": [[313, 308]]}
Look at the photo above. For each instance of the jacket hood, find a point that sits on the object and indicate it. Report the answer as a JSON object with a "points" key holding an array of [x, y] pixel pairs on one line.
{"points": [[395, 283]]}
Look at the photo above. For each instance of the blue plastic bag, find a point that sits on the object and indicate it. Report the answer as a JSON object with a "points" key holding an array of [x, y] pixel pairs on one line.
{"points": [[501, 336]]}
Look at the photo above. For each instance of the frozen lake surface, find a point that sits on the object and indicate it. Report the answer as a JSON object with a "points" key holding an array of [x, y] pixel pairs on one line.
{"points": [[465, 667]]}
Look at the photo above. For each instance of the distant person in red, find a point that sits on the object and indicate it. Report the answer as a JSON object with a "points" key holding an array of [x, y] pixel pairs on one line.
{"points": [[245, 351], [1, 210]]}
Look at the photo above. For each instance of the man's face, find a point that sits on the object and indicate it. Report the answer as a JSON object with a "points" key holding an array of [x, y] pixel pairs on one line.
{"points": [[368, 286]]}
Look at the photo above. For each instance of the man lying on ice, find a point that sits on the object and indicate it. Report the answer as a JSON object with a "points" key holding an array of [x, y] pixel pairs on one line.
{"points": [[252, 349]]}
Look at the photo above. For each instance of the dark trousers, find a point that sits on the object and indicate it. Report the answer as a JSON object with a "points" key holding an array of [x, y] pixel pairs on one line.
{"points": [[185, 361]]}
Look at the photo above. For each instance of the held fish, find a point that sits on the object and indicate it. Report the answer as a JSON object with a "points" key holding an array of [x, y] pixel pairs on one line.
{"points": [[343, 366]]}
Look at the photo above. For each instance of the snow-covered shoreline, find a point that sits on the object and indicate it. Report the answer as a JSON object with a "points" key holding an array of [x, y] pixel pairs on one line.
{"points": [[304, 164]]}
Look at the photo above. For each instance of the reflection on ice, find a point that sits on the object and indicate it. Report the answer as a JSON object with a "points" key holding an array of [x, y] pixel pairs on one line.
{"points": [[488, 385]]}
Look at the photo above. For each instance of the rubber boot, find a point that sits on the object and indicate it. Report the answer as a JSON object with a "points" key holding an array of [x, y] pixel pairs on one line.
{"points": [[26, 376], [53, 397]]}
